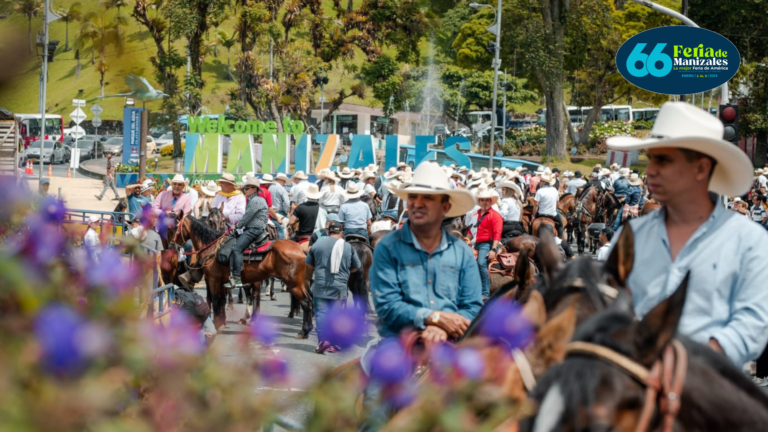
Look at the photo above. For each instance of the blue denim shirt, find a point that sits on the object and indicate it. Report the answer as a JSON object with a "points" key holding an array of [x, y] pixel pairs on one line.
{"points": [[408, 283], [621, 187], [728, 290]]}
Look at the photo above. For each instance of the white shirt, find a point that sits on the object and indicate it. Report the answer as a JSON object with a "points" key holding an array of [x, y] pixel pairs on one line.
{"points": [[547, 198], [510, 210], [234, 207], [471, 219], [369, 189], [330, 198], [614, 176], [193, 197], [91, 238], [602, 253], [762, 180], [298, 190]]}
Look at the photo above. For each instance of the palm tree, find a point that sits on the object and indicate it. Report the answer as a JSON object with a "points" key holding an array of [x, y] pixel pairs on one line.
{"points": [[228, 41], [29, 8], [87, 34], [69, 15], [119, 18]]}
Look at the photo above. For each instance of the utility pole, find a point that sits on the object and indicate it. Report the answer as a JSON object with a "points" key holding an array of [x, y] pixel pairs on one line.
{"points": [[496, 64], [504, 112], [43, 87], [322, 102]]}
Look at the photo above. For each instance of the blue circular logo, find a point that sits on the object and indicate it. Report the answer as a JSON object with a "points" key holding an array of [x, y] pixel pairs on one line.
{"points": [[678, 60]]}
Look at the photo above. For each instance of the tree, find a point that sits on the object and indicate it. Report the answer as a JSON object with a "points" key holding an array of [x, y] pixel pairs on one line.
{"points": [[106, 33], [228, 41], [68, 15], [88, 33], [117, 4], [29, 8]]}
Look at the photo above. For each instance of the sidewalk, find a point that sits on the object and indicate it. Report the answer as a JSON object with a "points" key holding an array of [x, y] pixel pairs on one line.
{"points": [[78, 193], [96, 168]]}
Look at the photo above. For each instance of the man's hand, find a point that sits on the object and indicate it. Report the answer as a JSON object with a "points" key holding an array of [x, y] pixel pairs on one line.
{"points": [[434, 335], [715, 345], [491, 255], [454, 324]]}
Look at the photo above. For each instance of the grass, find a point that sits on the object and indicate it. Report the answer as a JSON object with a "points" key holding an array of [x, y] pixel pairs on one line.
{"points": [[585, 165]]}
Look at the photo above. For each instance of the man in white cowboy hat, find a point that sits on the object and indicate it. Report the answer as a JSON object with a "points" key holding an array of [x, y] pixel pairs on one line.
{"points": [[229, 199], [510, 208], [634, 193], [422, 277], [389, 204], [147, 190], [367, 183], [174, 200], [345, 176], [488, 228], [576, 183], [280, 201], [300, 185], [355, 214], [605, 178], [204, 205], [546, 202], [722, 253], [614, 172], [306, 215], [250, 227], [760, 179]]}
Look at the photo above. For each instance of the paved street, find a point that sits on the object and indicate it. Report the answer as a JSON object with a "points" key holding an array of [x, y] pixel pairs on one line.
{"points": [[304, 365]]}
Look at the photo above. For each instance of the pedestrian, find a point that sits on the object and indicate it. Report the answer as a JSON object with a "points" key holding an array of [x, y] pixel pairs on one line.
{"points": [[91, 240], [576, 183], [306, 216], [249, 228], [606, 235], [43, 187], [440, 292], [331, 260], [722, 255], [229, 200], [109, 178], [488, 238], [205, 203], [355, 214], [148, 237], [136, 202], [280, 201]]}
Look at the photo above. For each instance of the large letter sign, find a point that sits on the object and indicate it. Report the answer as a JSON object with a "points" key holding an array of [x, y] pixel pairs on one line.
{"points": [[240, 158], [362, 152], [274, 153], [303, 151], [453, 152], [328, 153]]}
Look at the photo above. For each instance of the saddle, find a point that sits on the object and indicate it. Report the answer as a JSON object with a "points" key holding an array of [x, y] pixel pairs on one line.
{"points": [[355, 238], [254, 253], [505, 264]]}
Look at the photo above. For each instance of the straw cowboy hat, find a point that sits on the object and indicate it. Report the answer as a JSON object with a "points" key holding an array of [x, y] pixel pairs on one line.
{"points": [[623, 172], [267, 178], [248, 174], [322, 174], [547, 178], [228, 178], [598, 166], [491, 194], [283, 177], [634, 180], [759, 172], [508, 184], [345, 173], [367, 175], [313, 192], [605, 172], [252, 181], [210, 189], [373, 168], [392, 173], [681, 125], [300, 175], [401, 165], [615, 166], [353, 192], [462, 169], [429, 179], [178, 178]]}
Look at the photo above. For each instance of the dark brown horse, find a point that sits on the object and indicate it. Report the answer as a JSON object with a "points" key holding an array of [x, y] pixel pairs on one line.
{"points": [[650, 206], [586, 211], [284, 260], [359, 283], [567, 206]]}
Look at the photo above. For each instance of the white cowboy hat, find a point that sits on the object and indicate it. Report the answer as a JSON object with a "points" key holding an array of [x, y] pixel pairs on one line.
{"points": [[624, 172], [392, 173], [267, 178], [737, 199], [148, 182], [345, 173], [248, 174], [547, 178], [519, 169], [228, 178], [634, 180], [402, 164], [300, 175], [178, 178], [372, 168], [367, 175], [615, 166], [429, 179], [759, 172], [681, 125], [93, 219], [313, 192], [539, 171], [252, 181], [210, 189], [322, 174], [605, 172], [598, 166], [512, 185], [463, 168], [282, 176], [353, 192], [487, 193], [332, 176]]}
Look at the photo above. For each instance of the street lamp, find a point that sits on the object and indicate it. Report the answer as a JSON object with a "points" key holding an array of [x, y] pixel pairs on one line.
{"points": [[495, 29], [504, 112]]}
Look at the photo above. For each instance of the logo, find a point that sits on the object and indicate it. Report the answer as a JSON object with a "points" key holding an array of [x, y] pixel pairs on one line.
{"points": [[678, 60]]}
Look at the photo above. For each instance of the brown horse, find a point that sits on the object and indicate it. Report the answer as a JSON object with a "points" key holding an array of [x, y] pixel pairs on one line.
{"points": [[586, 211], [359, 283], [567, 206], [284, 260], [527, 214], [542, 220], [650, 206]]}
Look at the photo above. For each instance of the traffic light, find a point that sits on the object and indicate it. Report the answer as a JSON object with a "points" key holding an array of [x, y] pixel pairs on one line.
{"points": [[52, 45], [320, 80], [491, 48], [729, 115]]}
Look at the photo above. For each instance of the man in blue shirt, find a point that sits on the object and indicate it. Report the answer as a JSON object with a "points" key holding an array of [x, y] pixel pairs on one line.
{"points": [[136, 202], [355, 214], [727, 301], [422, 277]]}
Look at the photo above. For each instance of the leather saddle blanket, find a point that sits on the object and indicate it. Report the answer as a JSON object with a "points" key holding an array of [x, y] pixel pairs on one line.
{"points": [[255, 252]]}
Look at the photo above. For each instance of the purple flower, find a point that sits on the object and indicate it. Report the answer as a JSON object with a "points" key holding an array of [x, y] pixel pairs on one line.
{"points": [[42, 243], [263, 329], [390, 363], [109, 269], [181, 336], [52, 210], [273, 370], [343, 327], [146, 217], [163, 223], [401, 395], [56, 328], [470, 363], [505, 322], [442, 358]]}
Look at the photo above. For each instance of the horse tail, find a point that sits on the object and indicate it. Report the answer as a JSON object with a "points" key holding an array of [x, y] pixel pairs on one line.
{"points": [[358, 281]]}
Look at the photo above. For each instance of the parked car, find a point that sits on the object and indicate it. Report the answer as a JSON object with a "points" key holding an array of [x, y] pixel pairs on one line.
{"points": [[68, 152], [165, 139], [87, 149], [115, 145], [53, 152], [99, 138], [152, 145]]}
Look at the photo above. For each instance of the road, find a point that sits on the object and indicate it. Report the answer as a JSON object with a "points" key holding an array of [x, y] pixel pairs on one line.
{"points": [[58, 170]]}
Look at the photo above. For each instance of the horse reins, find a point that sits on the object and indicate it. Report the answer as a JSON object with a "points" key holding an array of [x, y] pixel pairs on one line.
{"points": [[664, 381], [194, 252]]}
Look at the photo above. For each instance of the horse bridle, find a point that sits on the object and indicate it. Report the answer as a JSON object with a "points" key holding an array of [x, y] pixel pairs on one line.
{"points": [[664, 381]]}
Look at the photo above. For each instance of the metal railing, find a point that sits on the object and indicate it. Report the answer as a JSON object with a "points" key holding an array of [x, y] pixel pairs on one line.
{"points": [[162, 300], [120, 221]]}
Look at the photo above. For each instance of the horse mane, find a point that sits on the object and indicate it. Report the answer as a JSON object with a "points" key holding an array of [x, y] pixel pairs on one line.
{"points": [[206, 233]]}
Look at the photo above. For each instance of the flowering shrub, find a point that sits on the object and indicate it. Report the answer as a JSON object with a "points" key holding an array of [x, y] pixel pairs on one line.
{"points": [[78, 354], [601, 131], [168, 150]]}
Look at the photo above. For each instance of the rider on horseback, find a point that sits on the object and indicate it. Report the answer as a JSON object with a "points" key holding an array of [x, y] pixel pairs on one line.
{"points": [[546, 203], [250, 228], [231, 198]]}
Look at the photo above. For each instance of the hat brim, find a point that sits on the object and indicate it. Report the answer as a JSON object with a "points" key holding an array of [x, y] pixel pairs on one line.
{"points": [[225, 181], [733, 172], [208, 192], [512, 186], [345, 176], [349, 195], [462, 200]]}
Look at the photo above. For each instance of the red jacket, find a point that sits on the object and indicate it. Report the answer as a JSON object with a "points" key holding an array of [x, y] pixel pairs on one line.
{"points": [[490, 228]]}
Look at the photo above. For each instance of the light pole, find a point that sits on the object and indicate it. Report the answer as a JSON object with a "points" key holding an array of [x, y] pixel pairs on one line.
{"points": [[323, 81], [504, 114], [495, 29]]}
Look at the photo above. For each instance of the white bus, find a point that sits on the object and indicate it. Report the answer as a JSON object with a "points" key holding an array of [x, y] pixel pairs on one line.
{"points": [[648, 114], [607, 113]]}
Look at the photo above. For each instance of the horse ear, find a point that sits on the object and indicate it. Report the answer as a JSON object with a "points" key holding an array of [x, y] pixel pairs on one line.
{"points": [[549, 346], [549, 255], [535, 310], [658, 327], [622, 257], [523, 275]]}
